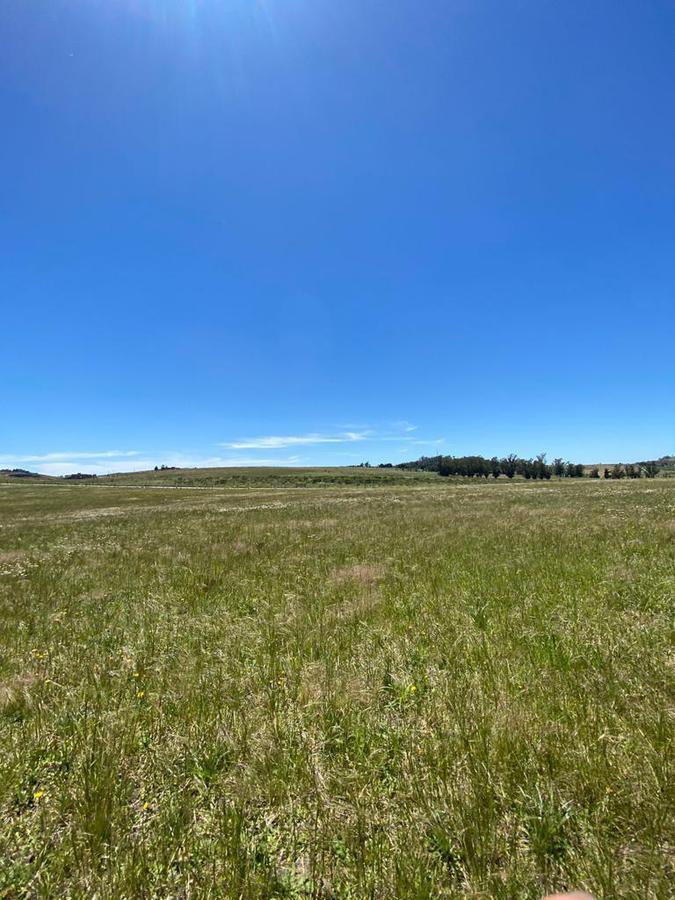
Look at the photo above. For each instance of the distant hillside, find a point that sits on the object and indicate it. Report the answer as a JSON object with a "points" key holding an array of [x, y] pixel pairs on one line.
{"points": [[266, 477], [420, 470]]}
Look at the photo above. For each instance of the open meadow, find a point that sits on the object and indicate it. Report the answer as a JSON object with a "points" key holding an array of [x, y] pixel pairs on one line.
{"points": [[403, 686]]}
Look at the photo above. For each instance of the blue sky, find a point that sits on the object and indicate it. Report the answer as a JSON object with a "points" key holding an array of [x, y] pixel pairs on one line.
{"points": [[324, 231]]}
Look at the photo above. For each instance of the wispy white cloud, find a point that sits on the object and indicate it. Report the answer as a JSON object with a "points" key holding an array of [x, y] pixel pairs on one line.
{"points": [[102, 464], [277, 442], [351, 433], [70, 467], [199, 462], [67, 455]]}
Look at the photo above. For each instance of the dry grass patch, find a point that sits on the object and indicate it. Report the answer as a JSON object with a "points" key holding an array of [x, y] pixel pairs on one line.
{"points": [[365, 574], [8, 556], [361, 582], [16, 687]]}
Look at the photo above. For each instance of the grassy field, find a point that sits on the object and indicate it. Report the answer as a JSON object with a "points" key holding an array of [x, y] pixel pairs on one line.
{"points": [[261, 477], [404, 688], [249, 478]]}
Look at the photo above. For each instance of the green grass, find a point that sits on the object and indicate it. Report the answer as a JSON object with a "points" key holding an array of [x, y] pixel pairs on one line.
{"points": [[416, 688], [249, 478], [261, 476]]}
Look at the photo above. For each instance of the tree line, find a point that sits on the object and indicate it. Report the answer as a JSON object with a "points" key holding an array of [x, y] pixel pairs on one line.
{"points": [[648, 469], [512, 465]]}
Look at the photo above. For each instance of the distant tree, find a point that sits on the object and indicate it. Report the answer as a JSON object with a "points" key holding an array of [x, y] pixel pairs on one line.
{"points": [[495, 468], [423, 464], [618, 472], [594, 473], [651, 468], [546, 470], [574, 470], [539, 467], [558, 467], [525, 468], [608, 472], [156, 468]]}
